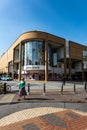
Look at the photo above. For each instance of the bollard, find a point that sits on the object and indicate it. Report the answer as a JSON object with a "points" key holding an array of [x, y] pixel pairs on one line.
{"points": [[85, 85], [4, 89], [62, 88], [74, 88], [29, 88], [44, 89]]}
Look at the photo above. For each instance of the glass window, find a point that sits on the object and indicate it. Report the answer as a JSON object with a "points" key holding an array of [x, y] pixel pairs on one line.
{"points": [[52, 56], [84, 54], [23, 55], [49, 56], [16, 53], [85, 64], [33, 53], [55, 59], [73, 65], [67, 48]]}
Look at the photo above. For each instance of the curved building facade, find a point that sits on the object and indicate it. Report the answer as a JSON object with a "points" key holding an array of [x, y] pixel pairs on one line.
{"points": [[38, 55]]}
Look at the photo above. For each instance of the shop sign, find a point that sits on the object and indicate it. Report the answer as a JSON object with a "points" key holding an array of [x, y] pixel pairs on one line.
{"points": [[34, 67]]}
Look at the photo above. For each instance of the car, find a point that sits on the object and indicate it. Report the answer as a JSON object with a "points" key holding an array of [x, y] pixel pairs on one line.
{"points": [[6, 78], [4, 88]]}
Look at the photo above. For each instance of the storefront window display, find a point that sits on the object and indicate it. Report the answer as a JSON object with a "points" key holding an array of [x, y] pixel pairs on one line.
{"points": [[33, 59]]}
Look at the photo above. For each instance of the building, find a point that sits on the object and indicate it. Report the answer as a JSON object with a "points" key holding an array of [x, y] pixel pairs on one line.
{"points": [[38, 55]]}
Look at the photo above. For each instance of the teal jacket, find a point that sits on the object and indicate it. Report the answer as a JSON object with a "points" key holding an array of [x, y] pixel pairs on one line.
{"points": [[22, 84]]}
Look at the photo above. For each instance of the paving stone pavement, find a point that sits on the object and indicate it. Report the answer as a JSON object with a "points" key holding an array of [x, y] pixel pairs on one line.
{"points": [[49, 96], [7, 98], [44, 118]]}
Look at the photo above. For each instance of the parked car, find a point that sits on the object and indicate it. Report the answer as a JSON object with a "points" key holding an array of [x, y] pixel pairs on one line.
{"points": [[6, 78], [2, 88]]}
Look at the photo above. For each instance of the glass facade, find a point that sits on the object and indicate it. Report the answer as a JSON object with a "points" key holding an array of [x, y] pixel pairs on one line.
{"points": [[49, 56], [33, 53], [52, 56], [55, 59], [44, 56], [67, 49], [33, 60], [85, 64], [54, 71], [84, 54]]}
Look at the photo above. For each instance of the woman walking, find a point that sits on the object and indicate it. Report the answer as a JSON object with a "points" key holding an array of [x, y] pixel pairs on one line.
{"points": [[22, 91]]}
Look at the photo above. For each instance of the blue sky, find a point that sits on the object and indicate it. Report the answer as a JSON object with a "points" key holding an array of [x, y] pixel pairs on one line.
{"points": [[64, 18]]}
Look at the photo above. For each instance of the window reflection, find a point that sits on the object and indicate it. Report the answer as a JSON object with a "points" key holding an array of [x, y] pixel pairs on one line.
{"points": [[33, 53], [49, 55], [85, 64], [84, 54], [55, 59]]}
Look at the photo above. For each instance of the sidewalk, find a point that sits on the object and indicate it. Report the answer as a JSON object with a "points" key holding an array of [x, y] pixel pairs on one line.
{"points": [[49, 96], [45, 118]]}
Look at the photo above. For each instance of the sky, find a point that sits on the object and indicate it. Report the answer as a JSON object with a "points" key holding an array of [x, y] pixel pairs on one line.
{"points": [[63, 18]]}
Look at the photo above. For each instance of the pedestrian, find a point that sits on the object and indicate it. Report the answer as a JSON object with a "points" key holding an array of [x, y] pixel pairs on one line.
{"points": [[22, 91]]}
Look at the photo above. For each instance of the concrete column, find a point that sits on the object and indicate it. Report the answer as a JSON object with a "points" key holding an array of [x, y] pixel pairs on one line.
{"points": [[70, 63], [13, 66], [20, 59], [65, 59], [70, 69], [46, 60], [82, 72]]}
